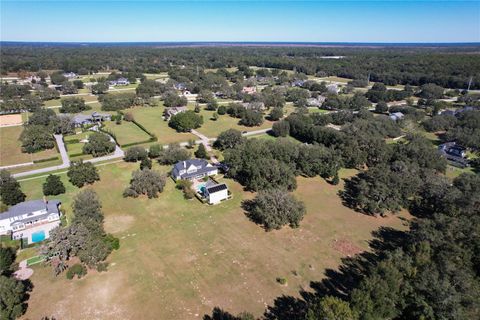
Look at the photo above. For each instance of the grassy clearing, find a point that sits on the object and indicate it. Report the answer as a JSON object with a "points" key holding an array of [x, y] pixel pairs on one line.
{"points": [[11, 148], [127, 132], [152, 120], [74, 149], [178, 259]]}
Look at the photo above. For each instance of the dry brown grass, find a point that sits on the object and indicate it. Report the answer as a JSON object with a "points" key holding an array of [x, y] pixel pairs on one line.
{"points": [[179, 259]]}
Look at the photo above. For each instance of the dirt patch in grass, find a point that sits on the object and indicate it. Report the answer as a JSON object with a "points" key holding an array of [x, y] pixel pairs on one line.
{"points": [[345, 247], [10, 119], [120, 223]]}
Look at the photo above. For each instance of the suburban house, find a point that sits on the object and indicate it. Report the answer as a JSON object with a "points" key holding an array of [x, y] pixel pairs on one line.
{"points": [[83, 119], [216, 193], [254, 105], [396, 116], [70, 75], [316, 102], [193, 169], [298, 83], [459, 111], [120, 82], [333, 88], [31, 220], [455, 153], [180, 86], [170, 112], [249, 90]]}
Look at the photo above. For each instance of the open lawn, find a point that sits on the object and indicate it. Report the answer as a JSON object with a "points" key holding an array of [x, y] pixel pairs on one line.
{"points": [[212, 128], [178, 259], [75, 147], [151, 118], [11, 148], [126, 132]]}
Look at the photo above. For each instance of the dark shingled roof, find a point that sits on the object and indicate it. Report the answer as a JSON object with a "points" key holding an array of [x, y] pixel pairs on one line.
{"points": [[29, 207], [217, 188]]}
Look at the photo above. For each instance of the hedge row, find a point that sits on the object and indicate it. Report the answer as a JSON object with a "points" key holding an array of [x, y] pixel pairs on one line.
{"points": [[45, 159]]}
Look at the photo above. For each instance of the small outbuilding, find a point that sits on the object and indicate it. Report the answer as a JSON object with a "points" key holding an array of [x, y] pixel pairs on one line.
{"points": [[216, 193]]}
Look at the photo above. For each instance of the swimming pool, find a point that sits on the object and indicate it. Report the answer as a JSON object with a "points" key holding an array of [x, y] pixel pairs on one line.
{"points": [[38, 236], [201, 187]]}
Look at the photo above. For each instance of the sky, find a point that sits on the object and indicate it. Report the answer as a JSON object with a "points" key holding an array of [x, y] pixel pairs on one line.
{"points": [[284, 21]]}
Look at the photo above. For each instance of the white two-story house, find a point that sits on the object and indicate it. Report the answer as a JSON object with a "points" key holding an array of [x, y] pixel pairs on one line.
{"points": [[193, 169], [31, 220]]}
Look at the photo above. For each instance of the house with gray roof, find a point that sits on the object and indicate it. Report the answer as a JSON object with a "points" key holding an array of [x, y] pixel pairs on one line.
{"points": [[171, 111], [84, 119], [193, 169], [395, 116], [119, 82], [31, 220]]}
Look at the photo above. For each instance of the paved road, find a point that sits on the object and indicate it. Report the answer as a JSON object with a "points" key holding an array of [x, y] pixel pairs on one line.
{"points": [[118, 153], [17, 165], [253, 133], [63, 154]]}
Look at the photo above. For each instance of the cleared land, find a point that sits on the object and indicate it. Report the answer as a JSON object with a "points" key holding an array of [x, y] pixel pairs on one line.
{"points": [[11, 119], [127, 132], [179, 259], [152, 119], [11, 148]]}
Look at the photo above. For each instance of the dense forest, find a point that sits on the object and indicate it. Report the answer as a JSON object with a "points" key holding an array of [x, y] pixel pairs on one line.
{"points": [[449, 67]]}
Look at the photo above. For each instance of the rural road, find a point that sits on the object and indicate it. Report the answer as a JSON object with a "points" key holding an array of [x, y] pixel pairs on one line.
{"points": [[119, 153], [63, 154]]}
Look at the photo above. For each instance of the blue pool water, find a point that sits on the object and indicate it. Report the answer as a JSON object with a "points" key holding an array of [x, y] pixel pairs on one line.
{"points": [[201, 187], [38, 236]]}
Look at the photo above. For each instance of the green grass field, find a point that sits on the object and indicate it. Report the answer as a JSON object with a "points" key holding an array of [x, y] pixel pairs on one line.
{"points": [[11, 148], [151, 119], [126, 132], [178, 258], [76, 148]]}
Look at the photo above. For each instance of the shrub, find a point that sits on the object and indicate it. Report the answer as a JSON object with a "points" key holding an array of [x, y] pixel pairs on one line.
{"points": [[186, 187], [154, 150], [102, 266], [201, 152], [112, 241], [282, 280], [128, 117], [78, 270], [146, 164], [222, 110]]}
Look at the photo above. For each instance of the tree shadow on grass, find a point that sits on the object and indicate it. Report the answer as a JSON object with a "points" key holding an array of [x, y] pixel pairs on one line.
{"points": [[339, 283]]}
